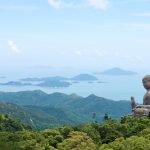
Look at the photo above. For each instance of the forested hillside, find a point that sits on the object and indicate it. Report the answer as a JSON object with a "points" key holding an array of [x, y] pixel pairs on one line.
{"points": [[41, 110], [43, 117], [128, 133]]}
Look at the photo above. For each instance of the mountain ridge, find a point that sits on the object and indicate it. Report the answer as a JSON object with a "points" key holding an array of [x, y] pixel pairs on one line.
{"points": [[76, 109]]}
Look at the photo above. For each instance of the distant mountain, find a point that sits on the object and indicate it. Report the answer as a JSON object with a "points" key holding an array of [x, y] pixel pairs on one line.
{"points": [[118, 71], [23, 97], [76, 109], [84, 77]]}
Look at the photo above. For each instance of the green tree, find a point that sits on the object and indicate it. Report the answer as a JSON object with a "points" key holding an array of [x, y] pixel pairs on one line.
{"points": [[65, 131], [77, 141], [53, 136], [92, 133], [131, 143]]}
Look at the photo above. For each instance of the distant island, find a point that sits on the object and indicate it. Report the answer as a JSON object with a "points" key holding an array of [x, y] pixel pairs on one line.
{"points": [[117, 71], [80, 77], [51, 84], [55, 78], [54, 84], [16, 83], [84, 77]]}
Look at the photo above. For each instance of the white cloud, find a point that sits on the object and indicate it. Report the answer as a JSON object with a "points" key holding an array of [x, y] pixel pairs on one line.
{"points": [[139, 58], [19, 8], [99, 53], [99, 4], [117, 54], [79, 53], [13, 47], [57, 4], [142, 14], [142, 26]]}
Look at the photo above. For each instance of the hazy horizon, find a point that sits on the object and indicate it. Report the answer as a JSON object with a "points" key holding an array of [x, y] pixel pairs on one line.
{"points": [[15, 73], [86, 35], [41, 38]]}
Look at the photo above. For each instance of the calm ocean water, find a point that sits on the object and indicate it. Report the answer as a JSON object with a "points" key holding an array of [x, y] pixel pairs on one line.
{"points": [[114, 87]]}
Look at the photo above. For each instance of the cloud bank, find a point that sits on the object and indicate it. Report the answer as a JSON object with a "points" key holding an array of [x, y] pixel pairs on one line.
{"points": [[13, 47], [97, 4], [143, 14]]}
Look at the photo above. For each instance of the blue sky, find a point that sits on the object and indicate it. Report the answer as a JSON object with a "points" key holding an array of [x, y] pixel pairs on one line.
{"points": [[93, 34]]}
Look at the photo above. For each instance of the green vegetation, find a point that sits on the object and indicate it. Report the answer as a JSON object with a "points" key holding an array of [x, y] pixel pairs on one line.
{"points": [[42, 117], [77, 141], [10, 124], [41, 110], [128, 133]]}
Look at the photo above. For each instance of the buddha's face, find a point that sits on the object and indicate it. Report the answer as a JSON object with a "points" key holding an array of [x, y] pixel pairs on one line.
{"points": [[146, 84]]}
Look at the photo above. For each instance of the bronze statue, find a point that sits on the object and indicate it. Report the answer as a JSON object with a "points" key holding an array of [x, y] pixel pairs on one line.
{"points": [[146, 84], [145, 108]]}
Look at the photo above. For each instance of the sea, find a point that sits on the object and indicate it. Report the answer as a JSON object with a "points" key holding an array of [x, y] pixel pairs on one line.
{"points": [[108, 86]]}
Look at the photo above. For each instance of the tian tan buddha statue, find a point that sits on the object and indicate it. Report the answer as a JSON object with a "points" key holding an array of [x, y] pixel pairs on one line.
{"points": [[142, 110]]}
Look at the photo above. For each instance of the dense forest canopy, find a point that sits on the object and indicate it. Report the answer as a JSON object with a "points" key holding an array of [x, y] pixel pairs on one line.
{"points": [[128, 133]]}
